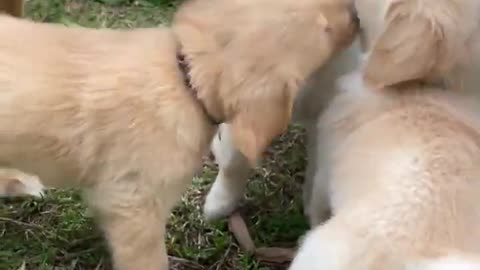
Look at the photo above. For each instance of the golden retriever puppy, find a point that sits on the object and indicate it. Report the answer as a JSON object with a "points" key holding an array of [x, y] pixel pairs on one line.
{"points": [[421, 39], [12, 7], [401, 168], [229, 186], [127, 115]]}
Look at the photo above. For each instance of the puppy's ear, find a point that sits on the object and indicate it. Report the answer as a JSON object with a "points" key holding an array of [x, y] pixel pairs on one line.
{"points": [[258, 122], [409, 48]]}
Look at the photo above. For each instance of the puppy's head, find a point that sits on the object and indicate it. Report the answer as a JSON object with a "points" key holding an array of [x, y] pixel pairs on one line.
{"points": [[415, 39], [249, 58]]}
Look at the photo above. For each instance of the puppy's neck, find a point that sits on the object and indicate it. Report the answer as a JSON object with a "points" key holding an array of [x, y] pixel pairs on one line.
{"points": [[184, 67]]}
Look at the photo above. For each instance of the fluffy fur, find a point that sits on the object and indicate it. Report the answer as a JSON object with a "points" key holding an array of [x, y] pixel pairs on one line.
{"points": [[399, 167], [424, 39], [108, 110], [401, 170], [229, 186]]}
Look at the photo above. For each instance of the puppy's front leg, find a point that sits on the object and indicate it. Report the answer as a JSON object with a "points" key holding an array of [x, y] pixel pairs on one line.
{"points": [[12, 7], [229, 186]]}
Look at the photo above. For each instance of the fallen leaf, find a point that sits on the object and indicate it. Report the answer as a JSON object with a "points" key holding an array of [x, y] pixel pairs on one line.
{"points": [[237, 226], [275, 254]]}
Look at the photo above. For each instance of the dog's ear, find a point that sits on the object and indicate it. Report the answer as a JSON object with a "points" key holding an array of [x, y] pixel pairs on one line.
{"points": [[258, 122], [409, 48]]}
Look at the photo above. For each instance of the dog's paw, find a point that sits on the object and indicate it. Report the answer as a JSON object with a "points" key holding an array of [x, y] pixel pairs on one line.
{"points": [[33, 186], [22, 185], [219, 202]]}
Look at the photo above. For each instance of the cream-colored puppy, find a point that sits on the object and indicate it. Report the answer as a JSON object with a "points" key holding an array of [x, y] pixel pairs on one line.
{"points": [[128, 114], [398, 159], [401, 168]]}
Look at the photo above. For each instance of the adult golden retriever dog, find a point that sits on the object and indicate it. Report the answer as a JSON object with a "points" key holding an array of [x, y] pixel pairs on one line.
{"points": [[128, 114]]}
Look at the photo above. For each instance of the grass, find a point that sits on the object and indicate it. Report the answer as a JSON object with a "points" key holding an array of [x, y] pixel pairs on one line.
{"points": [[55, 232]]}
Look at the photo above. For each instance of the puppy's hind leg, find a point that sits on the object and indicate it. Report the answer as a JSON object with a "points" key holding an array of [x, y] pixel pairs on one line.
{"points": [[229, 186], [133, 219]]}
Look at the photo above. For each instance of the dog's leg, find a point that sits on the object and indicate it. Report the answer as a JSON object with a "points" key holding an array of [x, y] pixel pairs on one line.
{"points": [[231, 181], [12, 7], [133, 218]]}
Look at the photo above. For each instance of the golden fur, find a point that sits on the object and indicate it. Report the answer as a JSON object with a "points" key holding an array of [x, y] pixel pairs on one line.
{"points": [[401, 168], [108, 110], [418, 39], [230, 183]]}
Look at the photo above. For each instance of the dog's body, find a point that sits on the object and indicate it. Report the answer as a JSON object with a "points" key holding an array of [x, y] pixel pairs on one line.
{"points": [[397, 156], [401, 168], [92, 109], [110, 111], [229, 186]]}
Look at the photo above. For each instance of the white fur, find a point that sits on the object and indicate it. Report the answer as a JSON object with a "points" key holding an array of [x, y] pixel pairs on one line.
{"points": [[322, 249], [230, 182], [446, 263], [33, 186], [30, 184]]}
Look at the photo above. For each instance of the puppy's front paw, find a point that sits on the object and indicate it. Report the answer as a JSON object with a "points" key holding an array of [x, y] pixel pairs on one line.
{"points": [[220, 202]]}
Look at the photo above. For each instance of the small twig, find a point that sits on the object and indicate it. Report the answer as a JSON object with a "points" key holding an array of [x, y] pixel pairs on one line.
{"points": [[191, 265], [21, 223], [100, 263]]}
